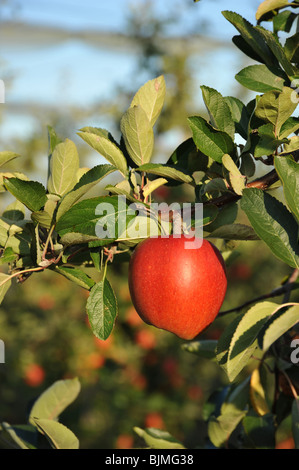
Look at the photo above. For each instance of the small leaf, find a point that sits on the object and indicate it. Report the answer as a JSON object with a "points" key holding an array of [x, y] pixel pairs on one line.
{"points": [[276, 107], [166, 172], [64, 165], [138, 135], [234, 232], [158, 439], [31, 193], [274, 45], [252, 36], [153, 185], [210, 141], [87, 181], [260, 430], [257, 394], [53, 401], [244, 339], [76, 275], [7, 156], [102, 309], [280, 324], [151, 98], [59, 436], [219, 111], [85, 216], [101, 141], [16, 436], [204, 348], [273, 223], [269, 5], [240, 115], [259, 78], [288, 172], [237, 180]]}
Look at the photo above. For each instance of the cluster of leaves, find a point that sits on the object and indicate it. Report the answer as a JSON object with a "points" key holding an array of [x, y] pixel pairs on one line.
{"points": [[43, 430], [62, 231]]}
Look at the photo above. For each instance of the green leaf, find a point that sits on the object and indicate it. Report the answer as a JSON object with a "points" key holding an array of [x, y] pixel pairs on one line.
{"points": [[239, 114], [232, 411], [17, 435], [138, 135], [76, 275], [54, 400], [289, 126], [291, 48], [292, 145], [234, 232], [253, 37], [151, 98], [295, 421], [166, 172], [4, 287], [219, 111], [269, 5], [153, 185], [102, 309], [276, 107], [267, 143], [87, 181], [244, 339], [279, 325], [259, 78], [210, 141], [158, 439], [8, 256], [14, 211], [260, 431], [100, 217], [53, 139], [59, 436], [7, 156], [278, 51], [273, 223], [205, 348], [237, 180], [283, 22], [288, 172], [31, 193], [240, 42], [101, 141], [64, 165]]}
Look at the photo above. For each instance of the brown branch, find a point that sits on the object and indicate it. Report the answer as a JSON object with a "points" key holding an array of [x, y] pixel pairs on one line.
{"points": [[286, 288], [264, 182]]}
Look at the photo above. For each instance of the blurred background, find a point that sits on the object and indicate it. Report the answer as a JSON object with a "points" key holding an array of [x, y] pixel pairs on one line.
{"points": [[70, 64]]}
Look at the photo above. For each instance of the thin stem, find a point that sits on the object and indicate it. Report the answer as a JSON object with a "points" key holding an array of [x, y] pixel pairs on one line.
{"points": [[49, 240], [288, 287], [25, 271]]}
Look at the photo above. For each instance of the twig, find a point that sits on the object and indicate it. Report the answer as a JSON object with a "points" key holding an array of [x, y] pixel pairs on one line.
{"points": [[288, 287], [25, 271]]}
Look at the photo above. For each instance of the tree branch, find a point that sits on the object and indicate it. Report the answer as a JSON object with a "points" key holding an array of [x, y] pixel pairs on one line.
{"points": [[286, 288]]}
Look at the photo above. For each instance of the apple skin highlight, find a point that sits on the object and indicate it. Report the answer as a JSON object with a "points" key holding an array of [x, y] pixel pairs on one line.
{"points": [[177, 289]]}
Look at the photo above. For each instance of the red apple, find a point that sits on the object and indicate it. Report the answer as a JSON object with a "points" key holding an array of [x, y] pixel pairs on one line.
{"points": [[175, 288]]}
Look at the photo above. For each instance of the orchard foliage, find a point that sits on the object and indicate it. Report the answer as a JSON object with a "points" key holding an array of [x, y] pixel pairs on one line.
{"points": [[242, 164]]}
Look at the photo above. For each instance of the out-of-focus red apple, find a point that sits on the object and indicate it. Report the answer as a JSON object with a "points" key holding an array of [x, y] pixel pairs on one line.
{"points": [[34, 375], [175, 287]]}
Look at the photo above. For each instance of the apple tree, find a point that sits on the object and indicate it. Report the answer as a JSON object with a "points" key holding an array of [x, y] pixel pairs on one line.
{"points": [[241, 166]]}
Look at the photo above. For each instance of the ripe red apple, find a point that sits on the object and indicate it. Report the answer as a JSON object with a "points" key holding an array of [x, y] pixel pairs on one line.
{"points": [[175, 288]]}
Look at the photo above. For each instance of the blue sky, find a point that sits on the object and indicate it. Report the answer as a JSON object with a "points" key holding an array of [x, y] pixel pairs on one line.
{"points": [[71, 72]]}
